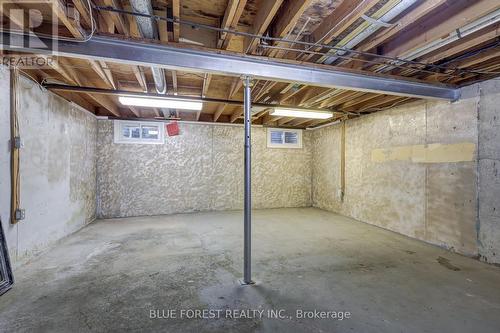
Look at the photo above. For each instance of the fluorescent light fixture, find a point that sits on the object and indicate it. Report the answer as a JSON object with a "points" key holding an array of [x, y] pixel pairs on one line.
{"points": [[153, 102], [301, 113]]}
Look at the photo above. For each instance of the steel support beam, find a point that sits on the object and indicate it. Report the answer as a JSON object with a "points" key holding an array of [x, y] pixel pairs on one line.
{"points": [[177, 58], [247, 247]]}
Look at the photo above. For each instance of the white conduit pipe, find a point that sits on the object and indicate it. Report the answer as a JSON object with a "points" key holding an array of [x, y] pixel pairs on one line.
{"points": [[148, 29], [464, 31], [372, 28]]}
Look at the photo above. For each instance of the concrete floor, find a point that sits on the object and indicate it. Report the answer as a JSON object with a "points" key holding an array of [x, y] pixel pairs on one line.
{"points": [[108, 276]]}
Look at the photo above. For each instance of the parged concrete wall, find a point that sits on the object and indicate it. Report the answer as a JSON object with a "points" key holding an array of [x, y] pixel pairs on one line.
{"points": [[429, 170], [423, 170], [489, 171], [199, 170], [57, 168], [409, 169]]}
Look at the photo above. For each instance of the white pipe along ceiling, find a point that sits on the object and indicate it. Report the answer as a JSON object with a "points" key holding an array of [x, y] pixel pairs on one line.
{"points": [[148, 28], [374, 24], [462, 32]]}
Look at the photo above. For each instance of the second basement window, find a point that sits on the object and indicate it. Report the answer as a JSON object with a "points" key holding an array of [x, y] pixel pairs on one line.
{"points": [[138, 132], [284, 138]]}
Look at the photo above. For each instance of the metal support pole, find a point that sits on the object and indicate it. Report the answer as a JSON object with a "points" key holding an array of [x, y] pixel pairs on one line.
{"points": [[247, 260]]}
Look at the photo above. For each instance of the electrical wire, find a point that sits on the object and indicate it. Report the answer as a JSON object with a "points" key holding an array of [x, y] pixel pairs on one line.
{"points": [[360, 60], [385, 107], [275, 39], [488, 72], [32, 78], [299, 33], [332, 29], [86, 38], [307, 45], [475, 53], [126, 71], [368, 111]]}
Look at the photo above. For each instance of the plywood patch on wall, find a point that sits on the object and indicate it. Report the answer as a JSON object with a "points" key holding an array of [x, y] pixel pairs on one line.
{"points": [[431, 153]]}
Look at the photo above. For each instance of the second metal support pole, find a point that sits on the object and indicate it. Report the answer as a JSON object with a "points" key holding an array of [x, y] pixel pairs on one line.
{"points": [[247, 250]]}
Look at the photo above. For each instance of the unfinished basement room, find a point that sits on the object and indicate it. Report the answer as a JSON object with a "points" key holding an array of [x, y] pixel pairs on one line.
{"points": [[250, 166]]}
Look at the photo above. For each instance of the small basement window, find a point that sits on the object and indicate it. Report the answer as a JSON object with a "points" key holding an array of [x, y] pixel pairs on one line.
{"points": [[138, 132], [284, 138]]}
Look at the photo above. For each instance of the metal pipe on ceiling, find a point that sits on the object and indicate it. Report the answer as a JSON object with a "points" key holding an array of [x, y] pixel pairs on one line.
{"points": [[372, 26], [466, 30], [305, 44], [177, 58], [148, 29], [381, 18]]}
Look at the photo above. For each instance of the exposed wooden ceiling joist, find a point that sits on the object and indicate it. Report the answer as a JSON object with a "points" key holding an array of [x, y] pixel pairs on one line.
{"points": [[231, 18], [262, 19]]}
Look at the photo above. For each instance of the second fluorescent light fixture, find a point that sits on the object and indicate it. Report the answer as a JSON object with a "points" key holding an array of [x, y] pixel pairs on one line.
{"points": [[301, 113], [168, 103]]}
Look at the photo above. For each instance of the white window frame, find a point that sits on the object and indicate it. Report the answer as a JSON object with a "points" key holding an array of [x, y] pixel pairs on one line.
{"points": [[118, 130], [297, 145]]}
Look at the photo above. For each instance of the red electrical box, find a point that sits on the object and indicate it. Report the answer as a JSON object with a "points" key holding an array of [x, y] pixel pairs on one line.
{"points": [[172, 128]]}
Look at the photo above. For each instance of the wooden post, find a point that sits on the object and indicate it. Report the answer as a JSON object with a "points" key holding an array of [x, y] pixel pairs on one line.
{"points": [[342, 162], [14, 149]]}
